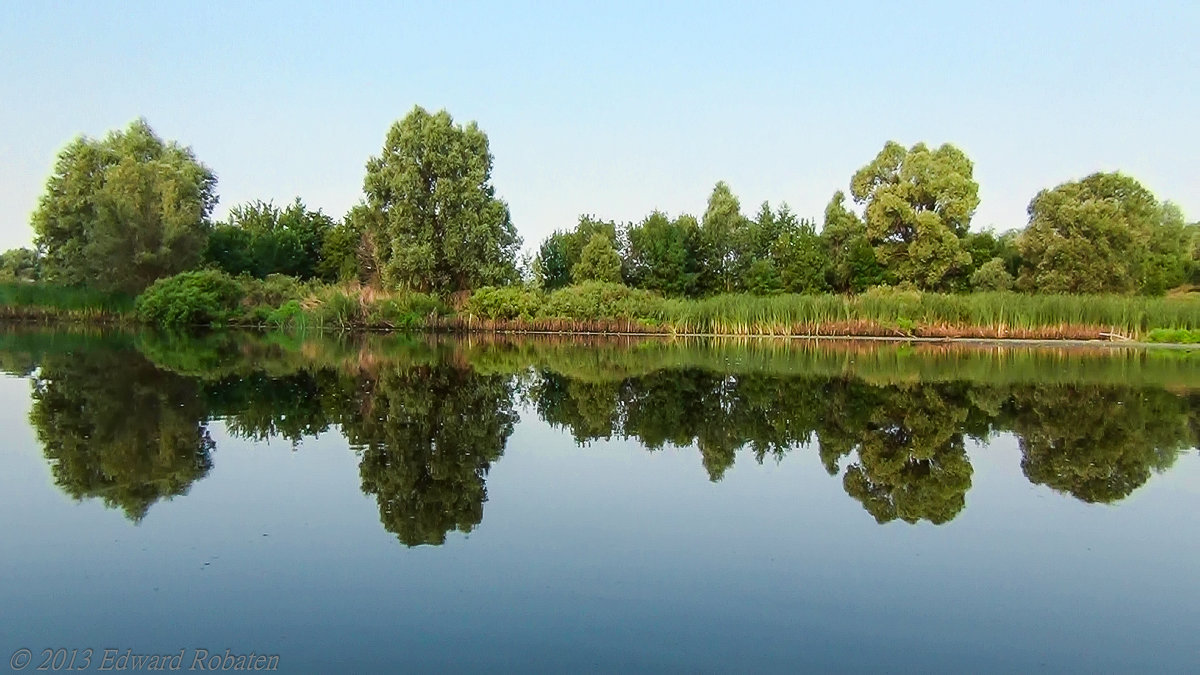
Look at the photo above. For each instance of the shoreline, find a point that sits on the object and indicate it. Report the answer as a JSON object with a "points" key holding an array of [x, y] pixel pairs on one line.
{"points": [[126, 323]]}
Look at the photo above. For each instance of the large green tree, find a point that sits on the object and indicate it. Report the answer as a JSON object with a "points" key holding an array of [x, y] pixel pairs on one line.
{"points": [[918, 205], [721, 228], [120, 212], [1105, 233], [438, 225]]}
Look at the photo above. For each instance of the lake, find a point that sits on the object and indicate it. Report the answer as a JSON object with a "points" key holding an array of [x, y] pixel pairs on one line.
{"points": [[393, 503]]}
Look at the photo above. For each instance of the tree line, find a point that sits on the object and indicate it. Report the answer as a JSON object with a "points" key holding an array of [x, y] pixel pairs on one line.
{"points": [[1105, 233], [125, 210]]}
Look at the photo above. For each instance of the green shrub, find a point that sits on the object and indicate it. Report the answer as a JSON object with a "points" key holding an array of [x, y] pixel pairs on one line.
{"points": [[992, 276], [190, 299], [602, 300], [506, 303], [285, 314], [1176, 336], [273, 291]]}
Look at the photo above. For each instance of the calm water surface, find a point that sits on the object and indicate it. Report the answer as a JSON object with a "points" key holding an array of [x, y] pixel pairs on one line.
{"points": [[384, 504]]}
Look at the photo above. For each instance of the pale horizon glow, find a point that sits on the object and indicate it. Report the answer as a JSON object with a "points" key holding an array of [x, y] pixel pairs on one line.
{"points": [[613, 110]]}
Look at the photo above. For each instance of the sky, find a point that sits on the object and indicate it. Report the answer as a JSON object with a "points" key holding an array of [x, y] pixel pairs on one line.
{"points": [[612, 108]]}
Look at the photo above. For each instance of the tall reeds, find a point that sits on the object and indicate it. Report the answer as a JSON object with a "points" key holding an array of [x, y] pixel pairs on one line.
{"points": [[23, 301]]}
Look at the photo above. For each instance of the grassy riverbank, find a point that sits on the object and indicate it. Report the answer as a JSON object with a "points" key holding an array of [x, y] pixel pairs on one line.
{"points": [[878, 313], [209, 298], [22, 301]]}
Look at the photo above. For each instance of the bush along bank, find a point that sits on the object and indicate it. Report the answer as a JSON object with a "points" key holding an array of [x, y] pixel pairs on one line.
{"points": [[213, 298]]}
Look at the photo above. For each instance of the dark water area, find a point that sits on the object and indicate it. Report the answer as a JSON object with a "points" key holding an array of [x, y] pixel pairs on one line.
{"points": [[390, 503]]}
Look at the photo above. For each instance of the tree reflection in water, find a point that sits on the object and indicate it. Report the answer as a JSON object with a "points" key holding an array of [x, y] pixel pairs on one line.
{"points": [[429, 420]]}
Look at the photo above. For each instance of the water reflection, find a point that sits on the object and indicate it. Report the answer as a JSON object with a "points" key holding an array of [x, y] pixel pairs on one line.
{"points": [[426, 436], [114, 427], [125, 418]]}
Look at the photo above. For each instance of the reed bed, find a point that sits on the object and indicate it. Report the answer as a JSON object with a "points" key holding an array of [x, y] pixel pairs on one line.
{"points": [[23, 301], [601, 308], [978, 315]]}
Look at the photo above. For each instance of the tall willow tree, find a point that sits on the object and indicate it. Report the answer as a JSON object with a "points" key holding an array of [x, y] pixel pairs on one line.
{"points": [[438, 225], [919, 204], [120, 212], [1105, 233]]}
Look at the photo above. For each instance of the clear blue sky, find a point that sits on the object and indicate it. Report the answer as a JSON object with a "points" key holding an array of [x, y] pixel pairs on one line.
{"points": [[613, 108]]}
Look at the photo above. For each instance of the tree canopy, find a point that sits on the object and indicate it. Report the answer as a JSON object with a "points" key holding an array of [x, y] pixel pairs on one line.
{"points": [[1090, 236], [918, 205], [20, 264], [437, 223], [120, 212]]}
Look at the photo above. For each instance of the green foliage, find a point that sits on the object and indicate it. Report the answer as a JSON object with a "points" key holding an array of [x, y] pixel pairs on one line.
{"points": [[803, 260], [662, 254], [1098, 445], [1105, 233], [120, 212], [190, 299], [20, 299], [918, 205], [429, 417], [911, 461], [992, 276], [1180, 336], [436, 222], [984, 247], [20, 264], [261, 239], [761, 278], [1005, 312], [426, 437], [582, 302], [1168, 254], [340, 252], [601, 300], [852, 266], [721, 229], [115, 428], [272, 291], [598, 261], [553, 264], [1193, 233], [504, 303], [562, 251]]}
